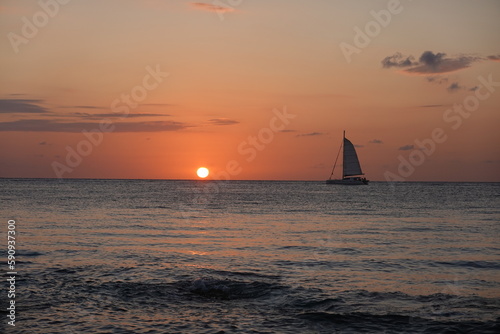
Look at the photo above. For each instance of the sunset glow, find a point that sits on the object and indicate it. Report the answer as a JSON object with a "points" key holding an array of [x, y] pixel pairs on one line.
{"points": [[150, 87]]}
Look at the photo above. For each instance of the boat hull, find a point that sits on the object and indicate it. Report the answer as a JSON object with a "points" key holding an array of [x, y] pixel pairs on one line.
{"points": [[349, 181]]}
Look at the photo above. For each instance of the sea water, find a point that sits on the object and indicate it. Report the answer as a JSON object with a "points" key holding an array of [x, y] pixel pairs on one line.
{"points": [[157, 256]]}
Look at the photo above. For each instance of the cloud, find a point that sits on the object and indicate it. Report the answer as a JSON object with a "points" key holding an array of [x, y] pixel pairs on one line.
{"points": [[158, 126], [398, 60], [211, 8], [131, 115], [41, 125], [114, 115], [287, 130], [310, 134], [157, 105], [431, 106], [21, 106], [454, 87], [313, 96], [84, 107], [432, 59], [222, 121], [96, 107], [406, 148], [494, 57], [376, 141], [437, 79], [42, 143], [429, 63], [432, 65], [437, 63]]}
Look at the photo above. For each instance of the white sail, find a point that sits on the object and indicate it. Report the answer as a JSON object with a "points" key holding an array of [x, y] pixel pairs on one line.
{"points": [[351, 162]]}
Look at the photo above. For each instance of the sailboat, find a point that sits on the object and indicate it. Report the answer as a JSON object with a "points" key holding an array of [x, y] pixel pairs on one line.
{"points": [[351, 169]]}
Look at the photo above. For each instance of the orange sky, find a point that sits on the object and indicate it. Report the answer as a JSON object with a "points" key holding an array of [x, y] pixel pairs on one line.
{"points": [[250, 89]]}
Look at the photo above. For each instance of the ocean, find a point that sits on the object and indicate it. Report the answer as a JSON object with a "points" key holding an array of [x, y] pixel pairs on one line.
{"points": [[174, 256]]}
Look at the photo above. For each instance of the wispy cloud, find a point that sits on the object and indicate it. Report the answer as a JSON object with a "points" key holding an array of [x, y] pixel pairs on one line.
{"points": [[21, 106], [114, 115], [41, 125], [310, 134], [83, 107], [376, 141], [156, 105], [211, 7], [312, 96], [438, 79], [222, 121], [406, 148], [455, 86], [429, 63], [431, 106], [97, 107], [494, 57]]}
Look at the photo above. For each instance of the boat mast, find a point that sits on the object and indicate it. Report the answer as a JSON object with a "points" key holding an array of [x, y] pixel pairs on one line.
{"points": [[343, 155], [337, 158]]}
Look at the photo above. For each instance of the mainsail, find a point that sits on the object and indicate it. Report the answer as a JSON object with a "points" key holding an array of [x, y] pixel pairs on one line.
{"points": [[351, 170], [351, 162]]}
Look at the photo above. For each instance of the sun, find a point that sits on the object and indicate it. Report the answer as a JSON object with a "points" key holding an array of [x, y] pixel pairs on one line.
{"points": [[202, 172]]}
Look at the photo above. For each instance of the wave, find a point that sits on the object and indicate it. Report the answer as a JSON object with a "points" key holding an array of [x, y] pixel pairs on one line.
{"points": [[471, 264], [370, 323], [230, 290], [220, 298]]}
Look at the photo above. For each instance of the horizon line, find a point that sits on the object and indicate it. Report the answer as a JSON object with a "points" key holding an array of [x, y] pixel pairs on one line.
{"points": [[215, 180]]}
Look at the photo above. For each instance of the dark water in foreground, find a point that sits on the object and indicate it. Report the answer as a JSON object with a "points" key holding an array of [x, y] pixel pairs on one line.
{"points": [[111, 256]]}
